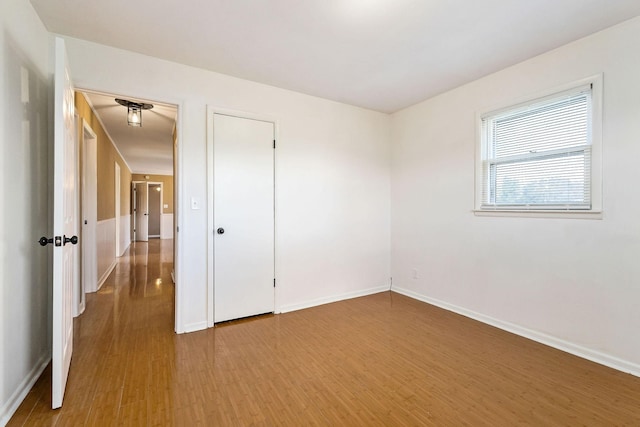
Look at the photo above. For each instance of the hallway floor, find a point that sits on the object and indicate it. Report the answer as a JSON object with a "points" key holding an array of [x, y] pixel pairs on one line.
{"points": [[383, 359]]}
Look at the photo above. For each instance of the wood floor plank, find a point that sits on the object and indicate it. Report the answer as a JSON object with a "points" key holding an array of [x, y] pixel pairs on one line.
{"points": [[379, 360]]}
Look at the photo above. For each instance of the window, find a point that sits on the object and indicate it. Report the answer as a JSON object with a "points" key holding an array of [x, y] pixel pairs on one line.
{"points": [[540, 155]]}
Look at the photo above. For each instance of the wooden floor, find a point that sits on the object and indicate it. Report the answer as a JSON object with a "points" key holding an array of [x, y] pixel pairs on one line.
{"points": [[384, 359]]}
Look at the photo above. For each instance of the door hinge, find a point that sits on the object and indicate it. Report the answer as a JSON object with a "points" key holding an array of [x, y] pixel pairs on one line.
{"points": [[274, 282], [274, 143]]}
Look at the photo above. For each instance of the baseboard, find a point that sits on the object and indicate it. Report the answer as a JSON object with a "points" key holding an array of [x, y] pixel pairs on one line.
{"points": [[106, 274], [193, 327], [330, 299], [551, 341], [23, 389], [126, 246]]}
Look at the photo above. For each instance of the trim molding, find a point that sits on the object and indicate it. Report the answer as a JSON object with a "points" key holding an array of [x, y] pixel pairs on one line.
{"points": [[330, 299], [551, 341], [106, 274], [192, 327], [21, 392]]}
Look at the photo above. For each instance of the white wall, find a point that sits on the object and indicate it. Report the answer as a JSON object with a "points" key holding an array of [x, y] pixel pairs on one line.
{"points": [[166, 226], [574, 283], [24, 286], [105, 249], [125, 233], [332, 177]]}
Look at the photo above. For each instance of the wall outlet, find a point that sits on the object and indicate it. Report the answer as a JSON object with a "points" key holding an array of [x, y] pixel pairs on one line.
{"points": [[195, 203], [414, 273]]}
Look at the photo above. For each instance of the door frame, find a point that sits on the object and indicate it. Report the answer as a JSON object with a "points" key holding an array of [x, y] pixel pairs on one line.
{"points": [[89, 284], [116, 174], [179, 191], [211, 110]]}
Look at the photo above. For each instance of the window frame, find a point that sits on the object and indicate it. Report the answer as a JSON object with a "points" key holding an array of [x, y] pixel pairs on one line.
{"points": [[595, 211]]}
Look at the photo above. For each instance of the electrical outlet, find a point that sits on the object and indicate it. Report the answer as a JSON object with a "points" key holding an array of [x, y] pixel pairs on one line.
{"points": [[195, 204], [414, 273]]}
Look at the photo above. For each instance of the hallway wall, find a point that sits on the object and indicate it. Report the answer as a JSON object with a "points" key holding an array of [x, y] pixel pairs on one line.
{"points": [[107, 156], [25, 168]]}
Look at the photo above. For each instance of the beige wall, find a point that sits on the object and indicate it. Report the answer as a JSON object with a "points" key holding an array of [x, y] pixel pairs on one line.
{"points": [[107, 156], [167, 188]]}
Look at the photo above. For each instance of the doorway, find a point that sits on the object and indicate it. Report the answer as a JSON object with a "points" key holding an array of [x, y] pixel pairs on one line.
{"points": [[155, 209], [140, 211], [124, 152]]}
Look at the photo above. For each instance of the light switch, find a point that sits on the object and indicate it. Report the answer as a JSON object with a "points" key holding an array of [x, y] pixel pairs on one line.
{"points": [[195, 204], [166, 206]]}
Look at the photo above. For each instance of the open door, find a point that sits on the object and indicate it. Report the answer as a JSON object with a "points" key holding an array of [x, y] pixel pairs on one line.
{"points": [[64, 224], [142, 212]]}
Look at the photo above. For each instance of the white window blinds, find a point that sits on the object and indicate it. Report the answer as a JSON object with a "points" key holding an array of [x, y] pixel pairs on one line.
{"points": [[538, 156]]}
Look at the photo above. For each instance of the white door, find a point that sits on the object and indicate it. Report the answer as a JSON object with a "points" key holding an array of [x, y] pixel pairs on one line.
{"points": [[142, 212], [243, 217], [89, 214], [64, 224]]}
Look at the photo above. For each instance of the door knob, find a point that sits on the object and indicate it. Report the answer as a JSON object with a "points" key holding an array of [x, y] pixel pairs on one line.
{"points": [[57, 241], [73, 240], [44, 241], [220, 230]]}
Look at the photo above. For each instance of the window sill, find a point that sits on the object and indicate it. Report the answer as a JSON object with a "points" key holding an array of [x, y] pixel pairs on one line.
{"points": [[540, 213]]}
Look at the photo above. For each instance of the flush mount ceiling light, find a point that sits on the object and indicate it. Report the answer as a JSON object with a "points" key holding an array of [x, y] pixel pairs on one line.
{"points": [[134, 111]]}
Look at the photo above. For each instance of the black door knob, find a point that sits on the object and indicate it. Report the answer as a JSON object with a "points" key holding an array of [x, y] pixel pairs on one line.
{"points": [[220, 230], [44, 241], [73, 240]]}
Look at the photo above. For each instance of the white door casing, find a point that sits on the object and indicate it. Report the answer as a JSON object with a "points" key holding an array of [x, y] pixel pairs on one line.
{"points": [[142, 212], [117, 206], [89, 211], [64, 224], [243, 183]]}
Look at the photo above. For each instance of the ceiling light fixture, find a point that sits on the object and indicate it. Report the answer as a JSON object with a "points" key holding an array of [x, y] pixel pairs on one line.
{"points": [[134, 111]]}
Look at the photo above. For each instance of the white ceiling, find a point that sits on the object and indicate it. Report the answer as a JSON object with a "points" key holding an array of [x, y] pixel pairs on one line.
{"points": [[147, 149], [380, 54]]}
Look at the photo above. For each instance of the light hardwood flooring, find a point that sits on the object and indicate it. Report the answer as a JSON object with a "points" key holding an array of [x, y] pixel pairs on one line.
{"points": [[383, 359]]}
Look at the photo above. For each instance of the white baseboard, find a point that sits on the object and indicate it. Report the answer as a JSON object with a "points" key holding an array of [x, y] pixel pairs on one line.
{"points": [[330, 299], [193, 327], [106, 274], [126, 246], [23, 389], [551, 341]]}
